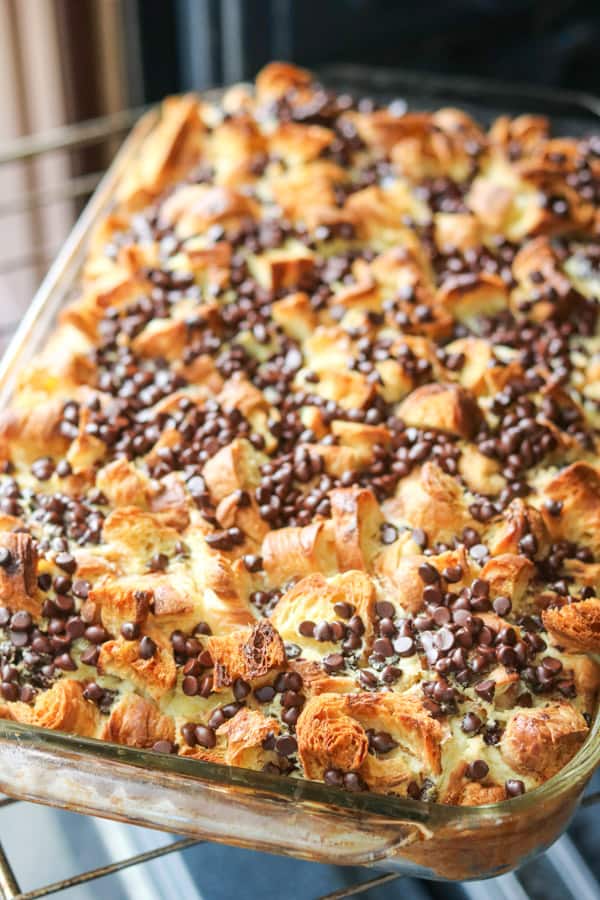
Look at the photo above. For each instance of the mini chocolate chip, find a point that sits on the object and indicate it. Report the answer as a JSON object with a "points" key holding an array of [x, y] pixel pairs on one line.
{"points": [[452, 574], [190, 685], [75, 628], [343, 610], [322, 631], [385, 610], [528, 545], [508, 657], [65, 662], [471, 723], [21, 621], [554, 507], [477, 770], [90, 655], [241, 689], [93, 692], [356, 626], [501, 606], [306, 628], [353, 782], [81, 588], [252, 562], [265, 693], [367, 679], [66, 562], [333, 778], [480, 587], [552, 665], [292, 698], [382, 742], [389, 533], [130, 631], [514, 787], [293, 681], [404, 645], [9, 691], [217, 718], [188, 732], [205, 736], [96, 634], [164, 747], [334, 662], [428, 573], [390, 674], [159, 562], [441, 615], [290, 716], [486, 690], [206, 685], [286, 745], [147, 647], [444, 639], [5, 557], [419, 537], [479, 552]]}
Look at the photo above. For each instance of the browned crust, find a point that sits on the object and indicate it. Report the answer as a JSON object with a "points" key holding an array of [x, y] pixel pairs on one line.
{"points": [[356, 520], [137, 722], [248, 653], [18, 581], [540, 741], [64, 708], [245, 734], [155, 676], [575, 626], [331, 733]]}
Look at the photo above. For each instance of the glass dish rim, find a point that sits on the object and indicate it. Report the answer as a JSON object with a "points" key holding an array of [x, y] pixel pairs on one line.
{"points": [[279, 787], [273, 787]]}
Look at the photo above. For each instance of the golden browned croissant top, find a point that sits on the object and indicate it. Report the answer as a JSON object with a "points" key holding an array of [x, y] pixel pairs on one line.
{"points": [[306, 479]]}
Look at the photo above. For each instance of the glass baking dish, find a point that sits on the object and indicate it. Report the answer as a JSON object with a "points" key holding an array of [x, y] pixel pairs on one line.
{"points": [[252, 809]]}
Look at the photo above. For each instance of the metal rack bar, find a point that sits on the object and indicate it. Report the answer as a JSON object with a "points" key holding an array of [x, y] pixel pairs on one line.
{"points": [[10, 890], [68, 190], [591, 800], [9, 886], [69, 136], [356, 889]]}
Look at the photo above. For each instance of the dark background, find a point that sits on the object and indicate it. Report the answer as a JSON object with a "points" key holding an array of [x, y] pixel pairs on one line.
{"points": [[198, 43]]}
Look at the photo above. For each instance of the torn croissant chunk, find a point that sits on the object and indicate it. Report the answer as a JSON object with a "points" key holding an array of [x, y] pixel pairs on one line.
{"points": [[332, 734], [542, 740], [247, 653]]}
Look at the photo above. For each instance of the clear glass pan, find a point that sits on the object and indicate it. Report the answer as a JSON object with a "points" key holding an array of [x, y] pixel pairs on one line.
{"points": [[252, 809]]}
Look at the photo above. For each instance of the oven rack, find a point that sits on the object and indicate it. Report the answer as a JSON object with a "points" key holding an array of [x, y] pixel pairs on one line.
{"points": [[10, 890]]}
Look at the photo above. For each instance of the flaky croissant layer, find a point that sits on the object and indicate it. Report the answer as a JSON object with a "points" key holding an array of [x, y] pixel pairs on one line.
{"points": [[306, 479]]}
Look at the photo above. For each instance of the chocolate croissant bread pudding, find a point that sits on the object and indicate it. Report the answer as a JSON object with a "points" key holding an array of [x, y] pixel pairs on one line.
{"points": [[306, 480]]}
